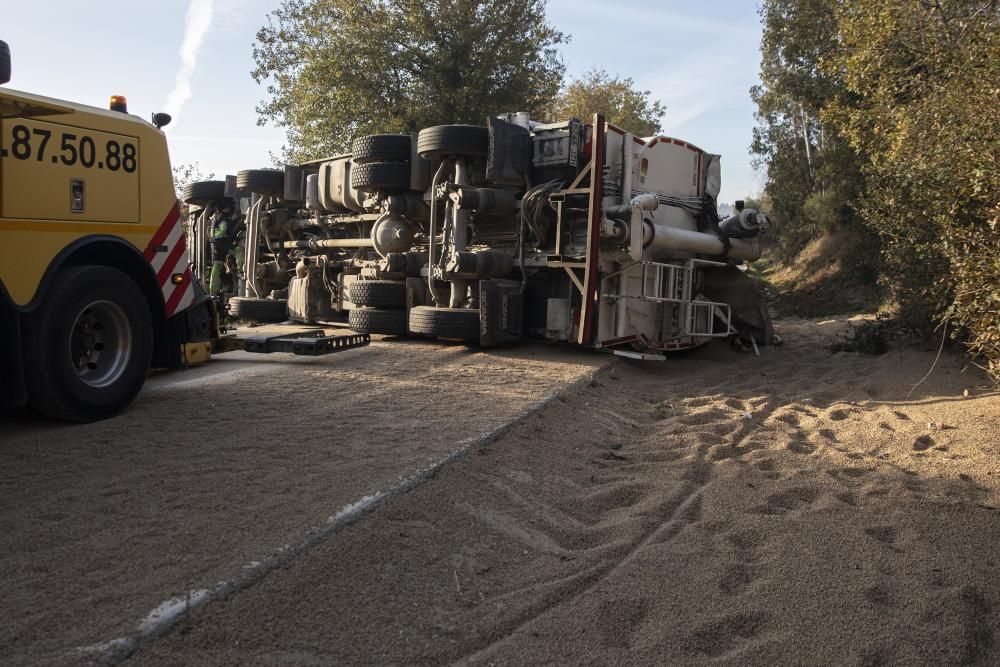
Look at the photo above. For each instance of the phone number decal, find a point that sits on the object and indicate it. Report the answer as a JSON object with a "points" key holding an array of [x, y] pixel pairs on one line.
{"points": [[34, 144]]}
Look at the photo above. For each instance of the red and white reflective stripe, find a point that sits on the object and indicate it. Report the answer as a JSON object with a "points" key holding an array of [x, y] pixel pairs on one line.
{"points": [[166, 253], [182, 295], [172, 220]]}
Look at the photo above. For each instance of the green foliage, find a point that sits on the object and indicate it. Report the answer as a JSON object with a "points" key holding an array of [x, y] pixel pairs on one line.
{"points": [[869, 337], [339, 68], [813, 174], [617, 98], [921, 82], [189, 173], [881, 115]]}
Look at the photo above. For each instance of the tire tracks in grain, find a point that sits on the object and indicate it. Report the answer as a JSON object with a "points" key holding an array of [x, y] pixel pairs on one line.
{"points": [[643, 420]]}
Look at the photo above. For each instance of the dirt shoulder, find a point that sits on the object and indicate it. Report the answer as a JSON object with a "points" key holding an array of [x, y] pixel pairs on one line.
{"points": [[216, 469], [715, 508]]}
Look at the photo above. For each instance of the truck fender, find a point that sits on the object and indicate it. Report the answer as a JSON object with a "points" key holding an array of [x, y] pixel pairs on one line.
{"points": [[114, 252]]}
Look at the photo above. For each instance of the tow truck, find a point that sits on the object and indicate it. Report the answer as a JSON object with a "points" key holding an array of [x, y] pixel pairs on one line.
{"points": [[95, 283]]}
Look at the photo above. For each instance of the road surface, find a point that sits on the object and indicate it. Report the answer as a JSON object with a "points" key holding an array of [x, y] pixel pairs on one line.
{"points": [[215, 470]]}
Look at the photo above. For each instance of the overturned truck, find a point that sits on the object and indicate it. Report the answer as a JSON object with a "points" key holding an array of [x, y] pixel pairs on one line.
{"points": [[569, 232]]}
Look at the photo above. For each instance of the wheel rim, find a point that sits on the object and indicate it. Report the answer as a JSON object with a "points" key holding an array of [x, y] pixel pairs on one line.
{"points": [[100, 344]]}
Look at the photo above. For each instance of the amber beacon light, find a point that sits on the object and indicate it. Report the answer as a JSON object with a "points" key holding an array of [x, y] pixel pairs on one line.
{"points": [[118, 103]]}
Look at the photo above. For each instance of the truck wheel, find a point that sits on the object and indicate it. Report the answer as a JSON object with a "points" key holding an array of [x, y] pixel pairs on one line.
{"points": [[381, 148], [380, 176], [378, 293], [441, 141], [203, 191], [4, 63], [258, 310], [261, 181], [456, 323], [378, 321], [88, 346]]}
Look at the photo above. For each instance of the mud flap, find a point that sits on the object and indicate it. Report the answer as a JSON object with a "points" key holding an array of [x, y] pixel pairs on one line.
{"points": [[749, 307], [501, 312], [197, 324]]}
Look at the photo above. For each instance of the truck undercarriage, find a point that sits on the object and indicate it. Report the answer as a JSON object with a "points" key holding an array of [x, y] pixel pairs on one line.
{"points": [[564, 232]]}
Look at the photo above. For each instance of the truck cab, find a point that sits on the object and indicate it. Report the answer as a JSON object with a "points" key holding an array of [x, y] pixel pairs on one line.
{"points": [[94, 281]]}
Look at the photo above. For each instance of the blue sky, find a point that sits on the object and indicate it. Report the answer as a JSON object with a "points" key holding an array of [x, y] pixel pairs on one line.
{"points": [[699, 58]]}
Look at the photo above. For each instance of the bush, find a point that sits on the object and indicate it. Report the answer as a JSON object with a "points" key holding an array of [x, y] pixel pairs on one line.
{"points": [[922, 79], [869, 337]]}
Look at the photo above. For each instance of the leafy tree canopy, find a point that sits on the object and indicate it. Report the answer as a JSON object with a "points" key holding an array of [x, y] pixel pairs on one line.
{"points": [[814, 175], [615, 97], [882, 114], [336, 69], [922, 83]]}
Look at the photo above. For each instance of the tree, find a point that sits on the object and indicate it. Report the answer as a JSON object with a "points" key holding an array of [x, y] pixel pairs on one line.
{"points": [[922, 78], [189, 173], [617, 98], [813, 174], [336, 69], [882, 112]]}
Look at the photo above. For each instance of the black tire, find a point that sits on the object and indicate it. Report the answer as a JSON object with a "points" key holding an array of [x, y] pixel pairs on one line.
{"points": [[378, 293], [380, 176], [88, 346], [203, 191], [4, 63], [261, 181], [456, 323], [258, 310], [378, 321], [441, 141], [381, 148]]}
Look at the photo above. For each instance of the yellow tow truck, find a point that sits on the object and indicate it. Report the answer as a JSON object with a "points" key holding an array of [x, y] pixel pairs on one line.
{"points": [[95, 284]]}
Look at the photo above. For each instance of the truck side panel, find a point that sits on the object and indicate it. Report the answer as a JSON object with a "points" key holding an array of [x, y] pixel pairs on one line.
{"points": [[70, 171]]}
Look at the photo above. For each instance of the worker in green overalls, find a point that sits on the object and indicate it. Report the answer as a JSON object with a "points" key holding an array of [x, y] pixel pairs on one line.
{"points": [[224, 230], [236, 257]]}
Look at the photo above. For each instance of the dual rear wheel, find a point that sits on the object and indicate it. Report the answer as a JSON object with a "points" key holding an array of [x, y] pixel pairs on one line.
{"points": [[381, 309]]}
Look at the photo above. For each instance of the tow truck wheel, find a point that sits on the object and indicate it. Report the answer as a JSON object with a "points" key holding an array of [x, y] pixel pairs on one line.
{"points": [[454, 323], [88, 346]]}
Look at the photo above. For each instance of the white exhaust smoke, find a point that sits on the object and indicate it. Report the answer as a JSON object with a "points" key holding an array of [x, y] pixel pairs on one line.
{"points": [[197, 21]]}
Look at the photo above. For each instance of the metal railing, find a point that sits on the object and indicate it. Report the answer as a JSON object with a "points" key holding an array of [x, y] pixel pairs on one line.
{"points": [[671, 286]]}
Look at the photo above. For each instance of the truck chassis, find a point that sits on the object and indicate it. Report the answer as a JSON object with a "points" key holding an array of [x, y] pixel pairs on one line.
{"points": [[565, 232]]}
